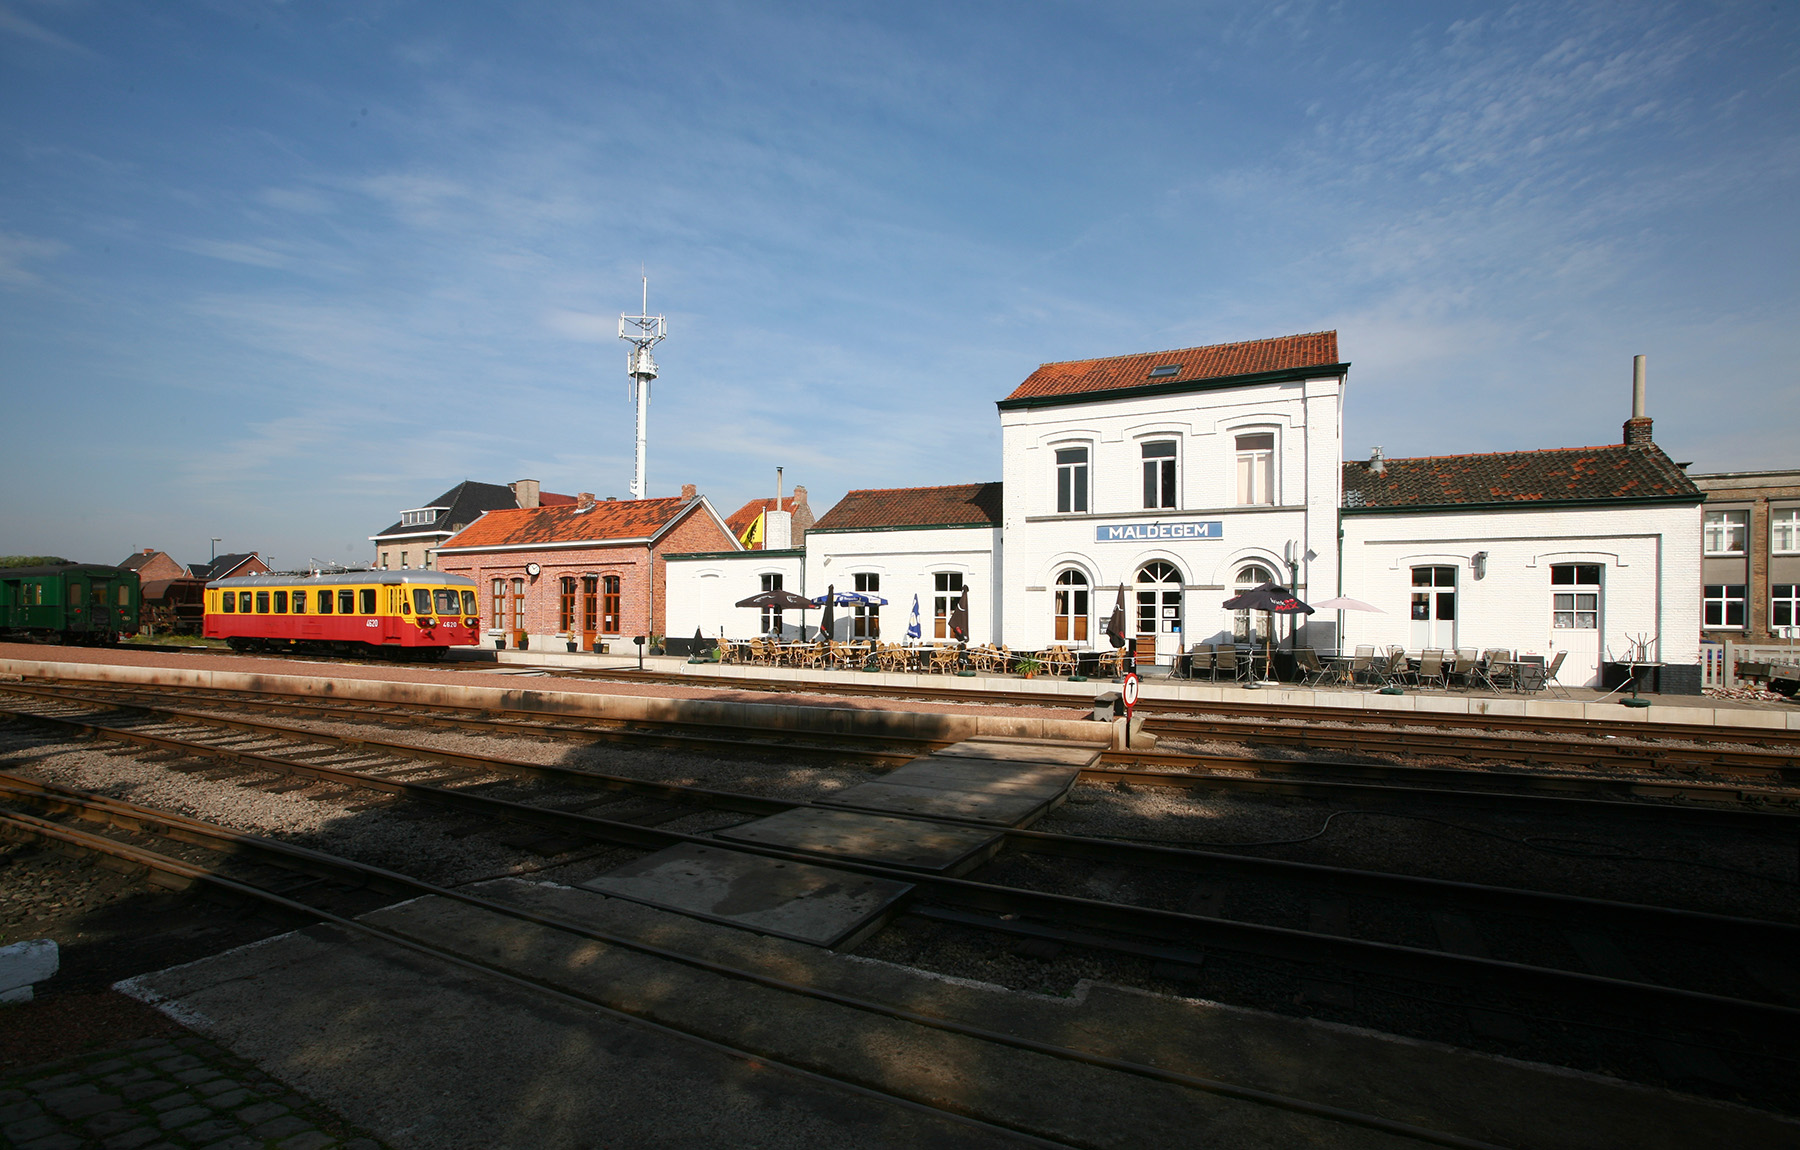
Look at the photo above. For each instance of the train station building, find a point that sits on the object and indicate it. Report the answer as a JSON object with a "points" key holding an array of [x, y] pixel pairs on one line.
{"points": [[1183, 477]]}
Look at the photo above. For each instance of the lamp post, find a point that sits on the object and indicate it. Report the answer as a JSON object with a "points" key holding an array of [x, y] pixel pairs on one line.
{"points": [[215, 548]]}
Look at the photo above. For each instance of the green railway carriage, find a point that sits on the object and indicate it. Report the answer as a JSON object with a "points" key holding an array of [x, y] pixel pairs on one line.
{"points": [[84, 603]]}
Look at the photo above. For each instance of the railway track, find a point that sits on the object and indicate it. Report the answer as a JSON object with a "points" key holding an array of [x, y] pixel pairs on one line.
{"points": [[1706, 962]]}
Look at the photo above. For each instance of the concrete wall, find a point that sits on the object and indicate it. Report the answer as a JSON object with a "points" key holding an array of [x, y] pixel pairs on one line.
{"points": [[908, 561], [1650, 560]]}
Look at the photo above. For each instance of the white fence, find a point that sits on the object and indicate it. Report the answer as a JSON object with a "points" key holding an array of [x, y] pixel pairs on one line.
{"points": [[1719, 661]]}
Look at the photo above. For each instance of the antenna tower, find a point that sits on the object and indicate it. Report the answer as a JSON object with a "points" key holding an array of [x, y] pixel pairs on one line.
{"points": [[643, 332]]}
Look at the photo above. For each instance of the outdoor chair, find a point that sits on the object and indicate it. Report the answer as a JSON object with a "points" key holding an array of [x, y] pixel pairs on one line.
{"points": [[1227, 663], [1431, 668], [1550, 671], [1200, 661], [945, 659], [1312, 672], [1362, 663], [1493, 670], [1528, 677], [1395, 667], [1111, 664], [1462, 669], [1059, 661]]}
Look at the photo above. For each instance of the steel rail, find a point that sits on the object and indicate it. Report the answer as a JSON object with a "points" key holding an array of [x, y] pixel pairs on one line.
{"points": [[161, 820], [1105, 850], [1704, 1010]]}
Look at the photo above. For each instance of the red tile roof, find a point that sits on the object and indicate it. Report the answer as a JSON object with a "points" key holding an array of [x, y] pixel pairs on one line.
{"points": [[1194, 364], [964, 505], [604, 521], [1555, 475], [742, 518]]}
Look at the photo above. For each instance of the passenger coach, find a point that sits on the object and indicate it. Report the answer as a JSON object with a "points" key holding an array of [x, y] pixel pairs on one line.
{"points": [[410, 614]]}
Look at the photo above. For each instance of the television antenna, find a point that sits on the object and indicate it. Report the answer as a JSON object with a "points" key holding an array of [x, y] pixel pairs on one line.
{"points": [[643, 332]]}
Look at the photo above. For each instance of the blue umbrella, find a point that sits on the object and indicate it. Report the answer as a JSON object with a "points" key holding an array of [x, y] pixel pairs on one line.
{"points": [[913, 630]]}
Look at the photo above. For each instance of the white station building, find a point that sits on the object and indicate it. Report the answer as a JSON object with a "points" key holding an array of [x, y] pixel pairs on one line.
{"points": [[1186, 476]]}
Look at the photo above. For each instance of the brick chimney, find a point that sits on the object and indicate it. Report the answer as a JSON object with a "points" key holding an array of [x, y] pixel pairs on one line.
{"points": [[584, 500], [1637, 428], [525, 492], [688, 491]]}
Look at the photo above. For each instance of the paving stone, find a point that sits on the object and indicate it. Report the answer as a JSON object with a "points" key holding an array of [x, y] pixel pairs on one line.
{"points": [[62, 1094], [31, 1128], [132, 1139], [113, 1122], [311, 1140], [196, 1075], [261, 1112], [216, 1086], [144, 1043], [210, 1131], [7, 1097], [127, 1077], [281, 1127], [179, 1062], [55, 1081], [19, 1111], [228, 1099], [237, 1142], [138, 1091], [267, 1087], [80, 1108], [186, 1115], [53, 1142], [362, 1144], [107, 1067], [172, 1101], [161, 1048]]}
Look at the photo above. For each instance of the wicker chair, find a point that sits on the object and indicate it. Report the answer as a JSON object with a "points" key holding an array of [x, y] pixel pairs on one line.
{"points": [[1111, 664], [1059, 661]]}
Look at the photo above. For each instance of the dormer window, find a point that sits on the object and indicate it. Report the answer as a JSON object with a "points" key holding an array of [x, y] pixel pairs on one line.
{"points": [[420, 517], [1166, 371]]}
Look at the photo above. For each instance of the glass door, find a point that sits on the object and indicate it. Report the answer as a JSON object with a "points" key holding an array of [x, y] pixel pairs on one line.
{"points": [[1433, 608]]}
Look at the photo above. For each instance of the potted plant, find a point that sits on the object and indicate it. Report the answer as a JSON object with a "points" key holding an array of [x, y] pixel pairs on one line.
{"points": [[656, 645], [1028, 666]]}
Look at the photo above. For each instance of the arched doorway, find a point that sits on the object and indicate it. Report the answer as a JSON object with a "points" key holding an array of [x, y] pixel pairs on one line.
{"points": [[1159, 607], [1071, 607], [1250, 627]]}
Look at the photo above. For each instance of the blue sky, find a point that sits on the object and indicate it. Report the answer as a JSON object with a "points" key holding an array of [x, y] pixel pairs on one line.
{"points": [[272, 272]]}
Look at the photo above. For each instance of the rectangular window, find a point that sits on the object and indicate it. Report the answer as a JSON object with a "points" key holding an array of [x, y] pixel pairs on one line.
{"points": [[367, 597], [566, 620], [497, 617], [124, 595], [1256, 468], [229, 602], [421, 600], [1576, 604], [347, 602], [262, 602], [1784, 530], [1784, 605], [324, 602], [1159, 474], [299, 602], [281, 603], [468, 602], [244, 597], [1725, 532], [1072, 480], [865, 619], [949, 588], [403, 562], [609, 604], [771, 618], [1723, 605]]}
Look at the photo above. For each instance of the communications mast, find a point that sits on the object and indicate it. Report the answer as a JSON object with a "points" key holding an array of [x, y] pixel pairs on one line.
{"points": [[643, 332]]}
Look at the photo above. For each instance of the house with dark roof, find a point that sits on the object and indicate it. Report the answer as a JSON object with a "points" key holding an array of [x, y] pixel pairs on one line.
{"points": [[578, 574], [224, 566], [412, 540]]}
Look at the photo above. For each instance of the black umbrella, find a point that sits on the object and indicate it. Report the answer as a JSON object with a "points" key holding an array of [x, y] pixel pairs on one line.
{"points": [[780, 599], [1115, 624], [959, 618], [1273, 598], [828, 620]]}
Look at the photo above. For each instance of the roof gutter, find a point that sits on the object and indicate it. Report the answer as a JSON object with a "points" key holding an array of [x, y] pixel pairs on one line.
{"points": [[1526, 505], [645, 540], [1215, 383]]}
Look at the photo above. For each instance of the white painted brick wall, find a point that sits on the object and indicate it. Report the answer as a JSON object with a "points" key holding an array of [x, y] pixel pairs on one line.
{"points": [[701, 593], [907, 561]]}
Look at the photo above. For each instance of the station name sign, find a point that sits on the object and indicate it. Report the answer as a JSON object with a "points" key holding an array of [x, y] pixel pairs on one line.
{"points": [[1144, 532]]}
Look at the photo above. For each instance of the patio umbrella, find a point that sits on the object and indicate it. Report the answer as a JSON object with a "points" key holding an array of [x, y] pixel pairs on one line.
{"points": [[779, 600], [913, 630], [1273, 599], [1115, 623], [959, 618], [828, 620], [1345, 603]]}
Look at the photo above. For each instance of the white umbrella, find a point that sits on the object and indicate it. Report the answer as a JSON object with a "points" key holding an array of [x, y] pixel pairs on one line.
{"points": [[1345, 603]]}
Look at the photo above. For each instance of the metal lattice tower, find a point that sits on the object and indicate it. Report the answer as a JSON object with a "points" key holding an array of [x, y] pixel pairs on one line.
{"points": [[643, 332]]}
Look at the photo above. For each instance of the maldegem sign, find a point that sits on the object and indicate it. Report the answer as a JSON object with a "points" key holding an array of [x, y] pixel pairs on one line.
{"points": [[1144, 532]]}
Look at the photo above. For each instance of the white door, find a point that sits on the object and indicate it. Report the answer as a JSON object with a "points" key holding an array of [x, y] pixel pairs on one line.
{"points": [[1159, 607], [1433, 608], [1576, 621]]}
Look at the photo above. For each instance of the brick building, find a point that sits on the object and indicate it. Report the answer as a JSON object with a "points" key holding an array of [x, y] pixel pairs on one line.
{"points": [[412, 541], [1750, 565], [586, 573]]}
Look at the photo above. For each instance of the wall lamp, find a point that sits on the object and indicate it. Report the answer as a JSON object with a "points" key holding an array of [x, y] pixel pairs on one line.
{"points": [[1478, 562]]}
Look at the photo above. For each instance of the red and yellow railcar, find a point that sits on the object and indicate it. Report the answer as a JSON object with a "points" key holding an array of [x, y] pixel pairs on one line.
{"points": [[399, 614]]}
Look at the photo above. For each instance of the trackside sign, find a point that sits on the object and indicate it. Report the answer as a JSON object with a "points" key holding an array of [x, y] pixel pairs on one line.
{"points": [[1142, 532]]}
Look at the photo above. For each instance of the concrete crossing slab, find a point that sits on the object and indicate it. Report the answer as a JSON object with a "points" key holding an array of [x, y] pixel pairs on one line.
{"points": [[1025, 751], [1011, 810], [883, 839], [795, 900], [1000, 778]]}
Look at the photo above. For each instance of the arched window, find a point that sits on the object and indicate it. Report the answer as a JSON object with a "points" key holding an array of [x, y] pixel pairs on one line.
{"points": [[1250, 626], [1158, 599], [1071, 607]]}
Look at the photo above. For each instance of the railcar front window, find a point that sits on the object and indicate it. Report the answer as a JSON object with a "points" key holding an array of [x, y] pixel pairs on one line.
{"points": [[124, 596], [446, 600], [367, 594], [421, 600], [468, 602]]}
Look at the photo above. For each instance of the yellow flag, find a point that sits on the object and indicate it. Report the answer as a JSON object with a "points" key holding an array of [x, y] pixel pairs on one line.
{"points": [[752, 534]]}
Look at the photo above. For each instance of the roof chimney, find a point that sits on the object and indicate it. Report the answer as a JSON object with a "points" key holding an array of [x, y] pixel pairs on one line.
{"points": [[584, 501], [688, 491], [525, 492], [1637, 428], [1377, 464]]}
